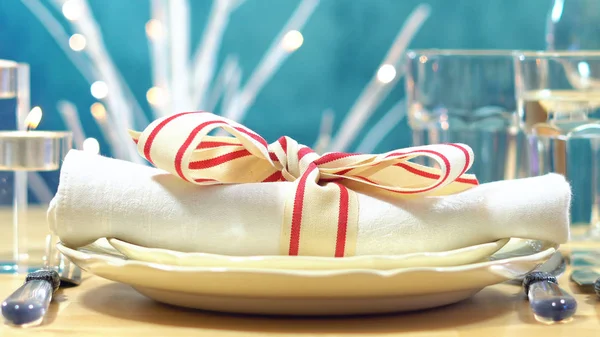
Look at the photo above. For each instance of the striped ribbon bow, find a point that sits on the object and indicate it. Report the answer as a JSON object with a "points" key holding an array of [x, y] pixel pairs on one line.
{"points": [[321, 211]]}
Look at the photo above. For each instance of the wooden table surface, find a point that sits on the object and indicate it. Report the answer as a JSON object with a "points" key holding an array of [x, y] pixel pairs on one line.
{"points": [[104, 308]]}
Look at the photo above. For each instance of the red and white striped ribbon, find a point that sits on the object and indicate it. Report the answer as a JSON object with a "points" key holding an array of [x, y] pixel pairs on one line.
{"points": [[321, 215]]}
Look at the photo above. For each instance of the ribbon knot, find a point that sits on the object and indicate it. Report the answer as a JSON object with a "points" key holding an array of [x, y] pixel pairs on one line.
{"points": [[321, 204], [291, 158]]}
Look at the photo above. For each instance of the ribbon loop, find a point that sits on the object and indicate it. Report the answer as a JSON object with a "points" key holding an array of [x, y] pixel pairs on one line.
{"points": [[321, 215]]}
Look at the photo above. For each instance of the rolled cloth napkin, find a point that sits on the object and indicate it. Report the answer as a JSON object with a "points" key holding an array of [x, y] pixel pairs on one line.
{"points": [[239, 196]]}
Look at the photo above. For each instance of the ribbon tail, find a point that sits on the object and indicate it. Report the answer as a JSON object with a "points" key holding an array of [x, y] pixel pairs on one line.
{"points": [[320, 220]]}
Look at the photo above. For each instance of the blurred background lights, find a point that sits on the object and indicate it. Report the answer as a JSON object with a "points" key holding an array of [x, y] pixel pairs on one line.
{"points": [[154, 29], [156, 96], [98, 111], [584, 69], [72, 9], [77, 42], [292, 40], [91, 145], [386, 73], [99, 90]]}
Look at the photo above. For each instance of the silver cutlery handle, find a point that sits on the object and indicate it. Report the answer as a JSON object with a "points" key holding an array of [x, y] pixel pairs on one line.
{"points": [[28, 304], [547, 300]]}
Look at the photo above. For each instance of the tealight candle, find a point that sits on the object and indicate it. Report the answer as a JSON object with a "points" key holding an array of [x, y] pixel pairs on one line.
{"points": [[32, 150], [29, 151]]}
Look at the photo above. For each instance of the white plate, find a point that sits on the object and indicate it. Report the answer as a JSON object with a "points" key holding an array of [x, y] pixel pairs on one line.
{"points": [[455, 257], [313, 292]]}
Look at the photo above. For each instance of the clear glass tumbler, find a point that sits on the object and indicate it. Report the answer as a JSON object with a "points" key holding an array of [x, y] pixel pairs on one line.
{"points": [[14, 105], [558, 97], [28, 159], [468, 96]]}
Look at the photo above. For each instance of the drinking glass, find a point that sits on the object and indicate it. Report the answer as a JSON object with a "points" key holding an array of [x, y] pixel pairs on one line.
{"points": [[558, 94], [468, 96], [28, 159], [14, 106]]}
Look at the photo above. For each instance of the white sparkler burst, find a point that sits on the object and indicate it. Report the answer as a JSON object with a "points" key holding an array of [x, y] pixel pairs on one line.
{"points": [[180, 83]]}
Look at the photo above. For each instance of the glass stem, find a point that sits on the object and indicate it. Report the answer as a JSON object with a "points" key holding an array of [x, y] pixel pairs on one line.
{"points": [[20, 253], [21, 200]]}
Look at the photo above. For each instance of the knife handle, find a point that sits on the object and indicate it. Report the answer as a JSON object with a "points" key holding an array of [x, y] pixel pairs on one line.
{"points": [[547, 300], [28, 304]]}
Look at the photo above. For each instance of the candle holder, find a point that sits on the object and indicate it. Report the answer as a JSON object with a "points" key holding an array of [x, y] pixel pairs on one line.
{"points": [[26, 155]]}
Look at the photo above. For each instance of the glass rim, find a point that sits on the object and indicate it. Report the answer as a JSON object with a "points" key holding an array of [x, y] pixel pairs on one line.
{"points": [[20, 134], [8, 64], [557, 54], [460, 52], [503, 52]]}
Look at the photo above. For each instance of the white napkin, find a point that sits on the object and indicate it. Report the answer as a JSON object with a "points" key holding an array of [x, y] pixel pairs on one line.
{"points": [[103, 197]]}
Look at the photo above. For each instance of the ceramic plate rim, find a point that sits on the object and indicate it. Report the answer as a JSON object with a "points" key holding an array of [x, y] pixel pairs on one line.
{"points": [[500, 243], [114, 261]]}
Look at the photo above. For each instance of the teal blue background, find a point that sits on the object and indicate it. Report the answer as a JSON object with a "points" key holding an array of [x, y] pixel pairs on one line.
{"points": [[344, 43], [345, 40]]}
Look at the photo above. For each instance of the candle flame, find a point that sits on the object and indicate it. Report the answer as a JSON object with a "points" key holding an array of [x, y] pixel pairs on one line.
{"points": [[33, 118]]}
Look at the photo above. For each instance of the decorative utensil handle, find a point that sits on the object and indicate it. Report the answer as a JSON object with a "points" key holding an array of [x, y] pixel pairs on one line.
{"points": [[547, 300], [28, 304]]}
